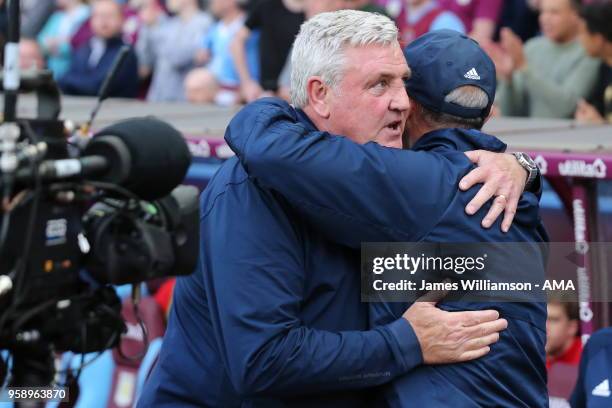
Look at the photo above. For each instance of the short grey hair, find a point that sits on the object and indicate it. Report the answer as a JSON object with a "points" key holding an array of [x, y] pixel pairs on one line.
{"points": [[467, 96], [319, 48]]}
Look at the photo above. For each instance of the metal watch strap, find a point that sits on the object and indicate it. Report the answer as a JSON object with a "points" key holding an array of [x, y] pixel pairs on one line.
{"points": [[532, 168]]}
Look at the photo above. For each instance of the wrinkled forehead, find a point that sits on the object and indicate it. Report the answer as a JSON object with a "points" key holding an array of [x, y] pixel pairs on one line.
{"points": [[376, 59]]}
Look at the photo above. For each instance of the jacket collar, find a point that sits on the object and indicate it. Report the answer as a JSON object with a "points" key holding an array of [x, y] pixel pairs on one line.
{"points": [[459, 139], [304, 119]]}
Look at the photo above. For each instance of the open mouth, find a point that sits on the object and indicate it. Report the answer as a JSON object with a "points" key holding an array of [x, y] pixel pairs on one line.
{"points": [[394, 125]]}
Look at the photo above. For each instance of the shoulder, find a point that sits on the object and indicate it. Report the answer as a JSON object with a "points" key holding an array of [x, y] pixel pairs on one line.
{"points": [[602, 339], [230, 177], [265, 110], [233, 202]]}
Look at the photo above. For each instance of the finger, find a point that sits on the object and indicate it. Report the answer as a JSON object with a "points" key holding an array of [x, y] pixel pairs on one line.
{"points": [[484, 329], [509, 214], [475, 317], [486, 192], [473, 177], [511, 34], [474, 354], [513, 196], [498, 206], [480, 342]]}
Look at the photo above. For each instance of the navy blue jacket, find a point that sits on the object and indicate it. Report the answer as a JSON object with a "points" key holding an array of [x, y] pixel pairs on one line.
{"points": [[594, 384], [272, 317], [358, 193], [82, 79]]}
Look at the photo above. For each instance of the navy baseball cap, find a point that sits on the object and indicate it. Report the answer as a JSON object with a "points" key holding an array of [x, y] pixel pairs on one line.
{"points": [[442, 61]]}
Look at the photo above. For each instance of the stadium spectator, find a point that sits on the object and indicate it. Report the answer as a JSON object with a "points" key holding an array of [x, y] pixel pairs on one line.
{"points": [[563, 348], [30, 56], [593, 388], [169, 48], [521, 16], [548, 75], [563, 345], [278, 22], [150, 13], [597, 40], [92, 61], [479, 16], [54, 38], [129, 29], [34, 15], [421, 16], [219, 81]]}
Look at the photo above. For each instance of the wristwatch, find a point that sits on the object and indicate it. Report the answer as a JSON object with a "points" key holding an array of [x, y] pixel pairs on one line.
{"points": [[528, 164]]}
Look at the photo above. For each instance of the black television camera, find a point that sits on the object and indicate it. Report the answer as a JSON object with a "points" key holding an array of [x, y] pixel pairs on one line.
{"points": [[78, 215]]}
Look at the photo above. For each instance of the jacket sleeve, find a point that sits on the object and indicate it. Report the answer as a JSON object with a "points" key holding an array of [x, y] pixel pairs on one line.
{"points": [[578, 399], [353, 193], [255, 290]]}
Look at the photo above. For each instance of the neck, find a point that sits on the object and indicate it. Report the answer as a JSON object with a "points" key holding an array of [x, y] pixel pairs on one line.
{"points": [[319, 122], [416, 130], [295, 6], [419, 6], [72, 7], [188, 11], [564, 349], [231, 15], [570, 37]]}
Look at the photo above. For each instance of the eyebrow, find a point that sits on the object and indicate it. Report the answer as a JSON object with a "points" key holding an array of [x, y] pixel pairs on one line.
{"points": [[388, 75]]}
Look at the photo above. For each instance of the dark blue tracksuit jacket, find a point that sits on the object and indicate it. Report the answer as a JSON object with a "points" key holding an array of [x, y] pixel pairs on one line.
{"points": [[358, 193], [272, 317], [594, 384]]}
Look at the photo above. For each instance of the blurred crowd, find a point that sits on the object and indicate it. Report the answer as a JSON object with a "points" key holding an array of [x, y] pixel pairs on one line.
{"points": [[553, 57]]}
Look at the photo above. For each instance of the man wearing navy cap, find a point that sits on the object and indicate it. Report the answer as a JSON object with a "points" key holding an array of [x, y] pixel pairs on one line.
{"points": [[451, 90]]}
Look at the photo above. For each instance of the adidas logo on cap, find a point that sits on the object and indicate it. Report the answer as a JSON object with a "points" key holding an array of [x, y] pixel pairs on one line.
{"points": [[472, 74]]}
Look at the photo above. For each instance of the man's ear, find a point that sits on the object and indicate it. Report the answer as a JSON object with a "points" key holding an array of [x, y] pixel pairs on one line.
{"points": [[318, 96], [494, 112]]}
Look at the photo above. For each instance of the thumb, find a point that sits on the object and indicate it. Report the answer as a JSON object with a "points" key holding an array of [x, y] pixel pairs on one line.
{"points": [[474, 155]]}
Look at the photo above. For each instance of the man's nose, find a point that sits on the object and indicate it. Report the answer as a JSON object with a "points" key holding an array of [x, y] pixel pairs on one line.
{"points": [[400, 101]]}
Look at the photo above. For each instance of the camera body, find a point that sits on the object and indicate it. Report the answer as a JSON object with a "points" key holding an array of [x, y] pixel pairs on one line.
{"points": [[73, 223]]}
